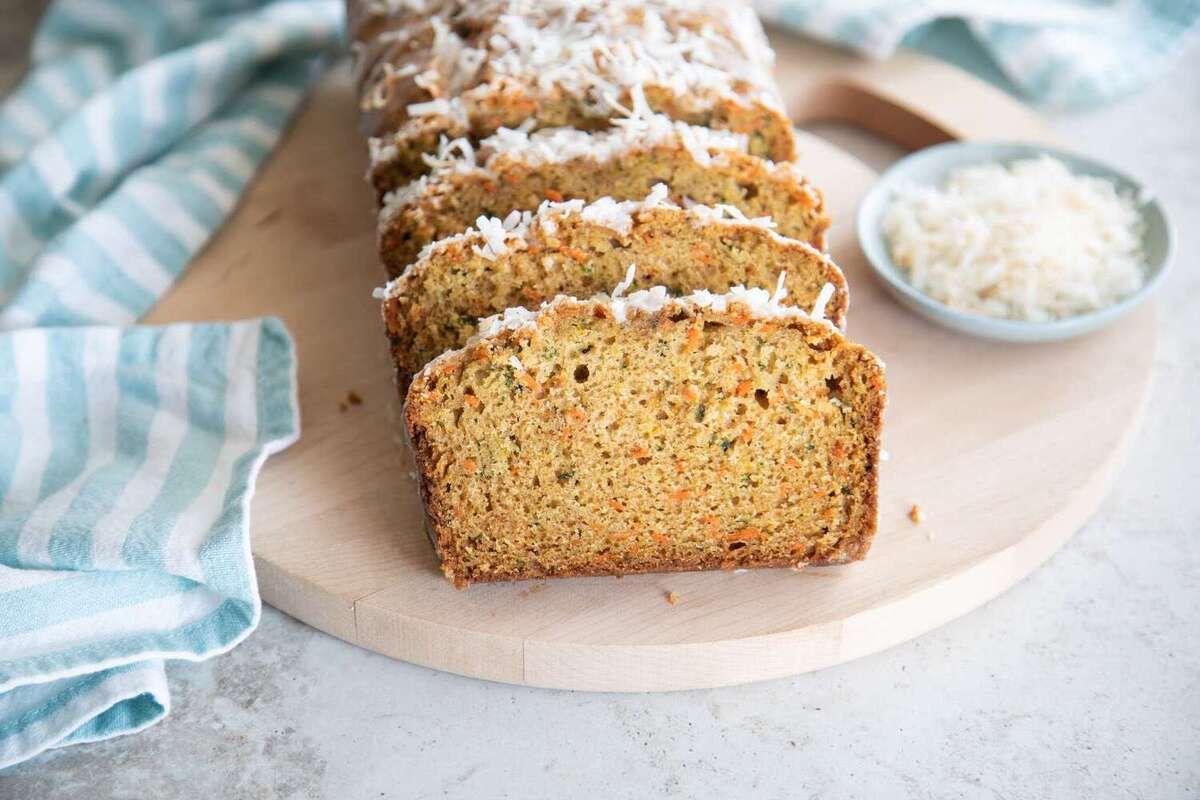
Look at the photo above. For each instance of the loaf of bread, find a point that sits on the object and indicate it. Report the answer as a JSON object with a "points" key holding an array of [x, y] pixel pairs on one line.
{"points": [[512, 170], [645, 433], [690, 420], [581, 250], [444, 69]]}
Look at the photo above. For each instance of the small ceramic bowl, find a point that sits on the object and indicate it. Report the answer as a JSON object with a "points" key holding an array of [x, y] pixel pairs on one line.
{"points": [[931, 166]]}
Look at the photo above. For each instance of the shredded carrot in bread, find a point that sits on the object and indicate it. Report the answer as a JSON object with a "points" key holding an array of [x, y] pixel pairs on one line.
{"points": [[576, 413], [680, 495], [792, 462], [472, 401], [639, 452], [616, 505], [573, 252], [554, 196], [528, 381], [688, 393], [469, 465], [693, 338], [744, 535], [743, 388]]}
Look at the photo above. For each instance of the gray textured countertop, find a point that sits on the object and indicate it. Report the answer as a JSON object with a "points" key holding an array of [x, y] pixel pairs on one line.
{"points": [[1082, 681]]}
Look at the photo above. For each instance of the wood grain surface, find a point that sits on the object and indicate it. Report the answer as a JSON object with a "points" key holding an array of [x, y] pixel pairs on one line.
{"points": [[1007, 449]]}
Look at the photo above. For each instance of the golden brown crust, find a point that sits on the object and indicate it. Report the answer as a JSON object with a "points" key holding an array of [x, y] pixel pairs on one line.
{"points": [[399, 64], [770, 133], [851, 545], [433, 307], [451, 202]]}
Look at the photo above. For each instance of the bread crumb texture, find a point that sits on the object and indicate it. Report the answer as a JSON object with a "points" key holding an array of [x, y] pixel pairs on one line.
{"points": [[449, 200], [435, 306], [684, 438], [452, 68]]}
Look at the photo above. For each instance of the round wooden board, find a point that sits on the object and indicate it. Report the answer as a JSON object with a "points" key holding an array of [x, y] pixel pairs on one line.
{"points": [[1008, 449]]}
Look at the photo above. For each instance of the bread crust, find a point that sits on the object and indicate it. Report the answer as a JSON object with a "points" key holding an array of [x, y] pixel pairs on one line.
{"points": [[409, 314], [714, 51], [449, 203], [853, 545]]}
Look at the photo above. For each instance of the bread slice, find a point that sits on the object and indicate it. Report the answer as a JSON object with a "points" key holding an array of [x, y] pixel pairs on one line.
{"points": [[576, 249], [517, 171], [646, 434], [463, 69]]}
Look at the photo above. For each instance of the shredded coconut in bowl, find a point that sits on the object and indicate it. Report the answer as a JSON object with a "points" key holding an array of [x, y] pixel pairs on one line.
{"points": [[1028, 241]]}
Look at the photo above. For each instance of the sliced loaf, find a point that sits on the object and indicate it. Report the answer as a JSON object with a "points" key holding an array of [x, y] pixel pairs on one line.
{"points": [[644, 434], [577, 249]]}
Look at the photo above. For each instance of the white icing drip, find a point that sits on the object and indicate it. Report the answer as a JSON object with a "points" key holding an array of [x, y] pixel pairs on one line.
{"points": [[522, 230], [759, 304], [723, 212], [559, 145]]}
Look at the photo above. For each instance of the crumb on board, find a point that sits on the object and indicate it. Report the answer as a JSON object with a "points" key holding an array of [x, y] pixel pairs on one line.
{"points": [[672, 598], [916, 514], [353, 398]]}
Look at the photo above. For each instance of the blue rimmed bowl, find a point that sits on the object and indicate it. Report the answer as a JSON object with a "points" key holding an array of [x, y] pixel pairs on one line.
{"points": [[932, 166]]}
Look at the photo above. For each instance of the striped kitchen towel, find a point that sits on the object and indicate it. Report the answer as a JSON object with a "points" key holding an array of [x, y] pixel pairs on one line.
{"points": [[128, 455], [1060, 53], [127, 461], [131, 139]]}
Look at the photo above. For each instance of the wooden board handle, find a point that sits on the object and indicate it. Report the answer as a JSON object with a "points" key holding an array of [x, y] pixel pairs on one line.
{"points": [[910, 99]]}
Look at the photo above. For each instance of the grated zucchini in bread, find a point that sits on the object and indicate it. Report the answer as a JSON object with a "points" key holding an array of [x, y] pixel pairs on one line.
{"points": [[577, 249], [517, 171], [464, 69], [644, 434]]}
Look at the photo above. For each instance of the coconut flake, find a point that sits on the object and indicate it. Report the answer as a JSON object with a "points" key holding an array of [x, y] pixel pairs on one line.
{"points": [[495, 241], [823, 297], [436, 107]]}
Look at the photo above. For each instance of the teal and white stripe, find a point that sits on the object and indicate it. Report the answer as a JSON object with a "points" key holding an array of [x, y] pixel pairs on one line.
{"points": [[1061, 53], [131, 139], [127, 462], [128, 455]]}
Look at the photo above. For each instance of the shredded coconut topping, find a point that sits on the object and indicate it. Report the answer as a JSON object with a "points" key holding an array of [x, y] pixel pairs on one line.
{"points": [[492, 237], [558, 145], [590, 49], [759, 303]]}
